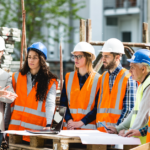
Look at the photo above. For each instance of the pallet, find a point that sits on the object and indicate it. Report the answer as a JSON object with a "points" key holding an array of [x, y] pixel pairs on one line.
{"points": [[58, 143]]}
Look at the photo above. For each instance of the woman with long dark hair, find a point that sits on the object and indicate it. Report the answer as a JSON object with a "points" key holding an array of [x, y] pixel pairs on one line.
{"points": [[36, 87]]}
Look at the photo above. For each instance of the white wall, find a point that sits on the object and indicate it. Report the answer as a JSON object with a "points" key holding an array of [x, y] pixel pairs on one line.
{"points": [[125, 24]]}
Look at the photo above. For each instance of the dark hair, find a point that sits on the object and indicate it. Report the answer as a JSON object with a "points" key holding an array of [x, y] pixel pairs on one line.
{"points": [[44, 76], [114, 54]]}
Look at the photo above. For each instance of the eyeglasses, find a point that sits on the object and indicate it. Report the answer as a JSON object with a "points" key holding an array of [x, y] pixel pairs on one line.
{"points": [[34, 58], [78, 57]]}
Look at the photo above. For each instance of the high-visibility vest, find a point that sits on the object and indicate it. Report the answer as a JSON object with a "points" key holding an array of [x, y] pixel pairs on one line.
{"points": [[28, 113], [81, 102], [110, 104], [139, 96]]}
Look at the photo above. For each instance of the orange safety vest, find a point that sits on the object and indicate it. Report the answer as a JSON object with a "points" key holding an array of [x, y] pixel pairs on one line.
{"points": [[27, 112], [109, 107], [81, 102], [148, 132]]}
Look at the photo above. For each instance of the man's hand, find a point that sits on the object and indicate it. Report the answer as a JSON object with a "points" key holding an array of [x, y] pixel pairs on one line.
{"points": [[71, 125], [46, 128], [112, 130], [122, 132], [7, 94], [132, 133]]}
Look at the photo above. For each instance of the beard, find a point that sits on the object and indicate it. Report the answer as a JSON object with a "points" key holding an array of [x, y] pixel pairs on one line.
{"points": [[111, 65]]}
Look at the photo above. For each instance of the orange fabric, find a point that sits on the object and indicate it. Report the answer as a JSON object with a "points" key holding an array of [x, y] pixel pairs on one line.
{"points": [[27, 101], [148, 133], [109, 99], [79, 99]]}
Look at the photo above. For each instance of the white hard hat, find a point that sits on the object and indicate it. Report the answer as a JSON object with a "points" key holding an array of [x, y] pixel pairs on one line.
{"points": [[2, 44], [113, 45], [85, 47]]}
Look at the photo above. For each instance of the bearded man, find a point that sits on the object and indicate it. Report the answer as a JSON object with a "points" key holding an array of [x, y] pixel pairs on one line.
{"points": [[117, 90]]}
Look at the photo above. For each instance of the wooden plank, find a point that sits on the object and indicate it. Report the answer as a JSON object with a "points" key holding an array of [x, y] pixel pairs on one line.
{"points": [[96, 147], [142, 147], [128, 147], [82, 30], [88, 30], [23, 147], [36, 141], [73, 140], [56, 145], [15, 139], [145, 33], [64, 146]]}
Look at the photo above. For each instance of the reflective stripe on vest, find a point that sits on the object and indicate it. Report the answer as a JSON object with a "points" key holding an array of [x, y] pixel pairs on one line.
{"points": [[116, 110], [37, 112], [149, 129], [26, 125], [93, 91], [88, 126], [27, 112], [104, 123]]}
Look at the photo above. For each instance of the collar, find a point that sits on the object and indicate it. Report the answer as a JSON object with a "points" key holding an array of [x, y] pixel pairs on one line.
{"points": [[116, 71], [86, 75], [146, 77]]}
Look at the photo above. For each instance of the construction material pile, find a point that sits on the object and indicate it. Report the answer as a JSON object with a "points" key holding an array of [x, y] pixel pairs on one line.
{"points": [[10, 35]]}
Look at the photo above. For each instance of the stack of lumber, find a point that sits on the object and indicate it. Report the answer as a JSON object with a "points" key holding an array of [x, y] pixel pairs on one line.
{"points": [[10, 35]]}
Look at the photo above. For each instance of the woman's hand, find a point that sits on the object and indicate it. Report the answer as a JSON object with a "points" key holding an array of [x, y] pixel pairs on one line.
{"points": [[46, 128], [71, 125], [7, 94], [112, 130]]}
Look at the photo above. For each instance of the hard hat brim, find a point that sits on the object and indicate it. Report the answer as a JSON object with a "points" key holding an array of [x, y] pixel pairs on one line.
{"points": [[109, 51], [132, 61]]}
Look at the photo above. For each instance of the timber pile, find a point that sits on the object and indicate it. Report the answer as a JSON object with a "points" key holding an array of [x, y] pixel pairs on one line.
{"points": [[10, 35]]}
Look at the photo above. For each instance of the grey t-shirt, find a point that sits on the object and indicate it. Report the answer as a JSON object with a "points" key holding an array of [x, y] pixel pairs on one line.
{"points": [[142, 115]]}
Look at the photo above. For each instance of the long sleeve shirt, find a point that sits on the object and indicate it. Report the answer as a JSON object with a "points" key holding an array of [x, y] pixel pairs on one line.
{"points": [[142, 115], [130, 95], [49, 105], [64, 102]]}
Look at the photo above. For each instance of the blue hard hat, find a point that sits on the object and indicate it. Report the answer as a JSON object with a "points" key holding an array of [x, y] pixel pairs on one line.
{"points": [[140, 56], [39, 47]]}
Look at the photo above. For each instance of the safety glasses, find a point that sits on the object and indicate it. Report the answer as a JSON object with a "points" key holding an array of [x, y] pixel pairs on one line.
{"points": [[78, 57]]}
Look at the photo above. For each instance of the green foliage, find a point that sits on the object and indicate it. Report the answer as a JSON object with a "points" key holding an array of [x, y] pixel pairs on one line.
{"points": [[40, 13]]}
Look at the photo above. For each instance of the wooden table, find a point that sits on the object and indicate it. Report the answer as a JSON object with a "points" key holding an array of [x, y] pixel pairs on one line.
{"points": [[59, 143]]}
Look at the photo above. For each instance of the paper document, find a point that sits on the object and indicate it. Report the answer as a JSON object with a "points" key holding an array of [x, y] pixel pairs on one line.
{"points": [[97, 137], [88, 137]]}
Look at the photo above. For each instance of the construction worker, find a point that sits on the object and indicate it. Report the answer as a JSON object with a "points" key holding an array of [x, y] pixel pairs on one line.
{"points": [[80, 90], [5, 96], [138, 118], [36, 87], [117, 89]]}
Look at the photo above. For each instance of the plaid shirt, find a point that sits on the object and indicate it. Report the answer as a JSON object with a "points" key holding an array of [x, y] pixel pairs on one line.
{"points": [[91, 116], [144, 130], [130, 96]]}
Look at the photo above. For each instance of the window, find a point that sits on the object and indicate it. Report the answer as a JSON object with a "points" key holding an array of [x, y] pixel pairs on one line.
{"points": [[112, 21]]}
